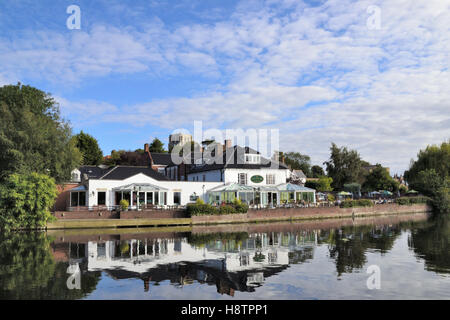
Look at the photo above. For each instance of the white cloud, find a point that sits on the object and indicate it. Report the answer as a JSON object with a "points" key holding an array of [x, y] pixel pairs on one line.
{"points": [[383, 92]]}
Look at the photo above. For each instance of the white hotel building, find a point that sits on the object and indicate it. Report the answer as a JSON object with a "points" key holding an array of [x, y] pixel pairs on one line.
{"points": [[243, 174]]}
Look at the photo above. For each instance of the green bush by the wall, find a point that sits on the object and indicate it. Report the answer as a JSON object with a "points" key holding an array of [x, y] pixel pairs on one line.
{"points": [[241, 208], [124, 204], [405, 201], [196, 209], [356, 203], [227, 209]]}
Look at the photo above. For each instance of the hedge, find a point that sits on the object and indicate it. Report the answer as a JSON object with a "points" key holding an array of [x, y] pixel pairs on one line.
{"points": [[407, 201], [196, 209], [357, 203]]}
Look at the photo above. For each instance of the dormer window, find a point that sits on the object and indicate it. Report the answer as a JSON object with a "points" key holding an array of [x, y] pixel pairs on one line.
{"points": [[252, 158], [76, 176]]}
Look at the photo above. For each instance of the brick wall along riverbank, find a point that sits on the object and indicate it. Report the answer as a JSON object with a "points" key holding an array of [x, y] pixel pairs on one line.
{"points": [[252, 215], [309, 213], [147, 214], [66, 215]]}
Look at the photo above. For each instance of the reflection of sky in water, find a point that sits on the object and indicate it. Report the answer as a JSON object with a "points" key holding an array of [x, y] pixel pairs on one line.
{"points": [[403, 276]]}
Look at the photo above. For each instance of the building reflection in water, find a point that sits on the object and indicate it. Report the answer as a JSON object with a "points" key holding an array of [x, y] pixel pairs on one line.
{"points": [[237, 262]]}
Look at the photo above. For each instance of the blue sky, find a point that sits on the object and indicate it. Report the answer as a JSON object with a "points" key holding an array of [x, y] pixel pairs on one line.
{"points": [[319, 71]]}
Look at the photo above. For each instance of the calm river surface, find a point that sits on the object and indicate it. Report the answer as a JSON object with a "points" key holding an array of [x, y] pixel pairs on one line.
{"points": [[308, 260]]}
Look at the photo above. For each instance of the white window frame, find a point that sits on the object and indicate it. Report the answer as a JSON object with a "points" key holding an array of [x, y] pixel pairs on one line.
{"points": [[244, 176], [270, 178]]}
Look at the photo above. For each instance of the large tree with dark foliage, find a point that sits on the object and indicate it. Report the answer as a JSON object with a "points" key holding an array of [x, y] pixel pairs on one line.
{"points": [[379, 179], [344, 166], [317, 171], [88, 146], [297, 161], [33, 136], [430, 174], [157, 146]]}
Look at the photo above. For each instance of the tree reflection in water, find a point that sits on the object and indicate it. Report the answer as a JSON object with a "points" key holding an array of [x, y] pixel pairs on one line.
{"points": [[34, 266], [349, 245], [431, 242], [28, 270]]}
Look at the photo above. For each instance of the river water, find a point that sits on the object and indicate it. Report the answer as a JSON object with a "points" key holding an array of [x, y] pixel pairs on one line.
{"points": [[401, 257]]}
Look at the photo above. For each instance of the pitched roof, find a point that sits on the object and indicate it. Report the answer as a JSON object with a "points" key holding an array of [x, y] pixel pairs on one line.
{"points": [[162, 159], [234, 158], [124, 172], [299, 174], [94, 172]]}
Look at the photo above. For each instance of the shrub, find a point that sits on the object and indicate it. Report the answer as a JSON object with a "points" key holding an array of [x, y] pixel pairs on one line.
{"points": [[331, 197], [26, 200], [404, 201], [346, 204], [356, 203], [199, 201], [241, 208], [194, 209], [124, 204], [414, 200], [237, 201], [227, 209], [364, 203]]}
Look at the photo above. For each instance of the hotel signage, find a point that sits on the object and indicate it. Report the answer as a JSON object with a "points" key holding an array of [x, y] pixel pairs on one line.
{"points": [[257, 179]]}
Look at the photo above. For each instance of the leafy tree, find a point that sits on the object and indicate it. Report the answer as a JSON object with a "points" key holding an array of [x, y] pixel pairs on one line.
{"points": [[431, 184], [433, 157], [115, 158], [430, 175], [25, 200], [157, 146], [297, 161], [88, 145], [352, 187], [317, 171], [344, 166], [403, 189], [321, 185], [33, 137], [126, 158], [379, 179]]}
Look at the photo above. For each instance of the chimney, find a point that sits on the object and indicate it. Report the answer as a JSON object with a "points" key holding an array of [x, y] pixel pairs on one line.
{"points": [[150, 158], [219, 149], [227, 144]]}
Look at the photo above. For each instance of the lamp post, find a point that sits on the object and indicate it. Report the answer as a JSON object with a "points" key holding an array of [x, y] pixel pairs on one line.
{"points": [[138, 197], [137, 190]]}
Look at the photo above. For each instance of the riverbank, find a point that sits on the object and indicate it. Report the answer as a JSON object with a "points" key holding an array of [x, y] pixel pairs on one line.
{"points": [[253, 216], [107, 234]]}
